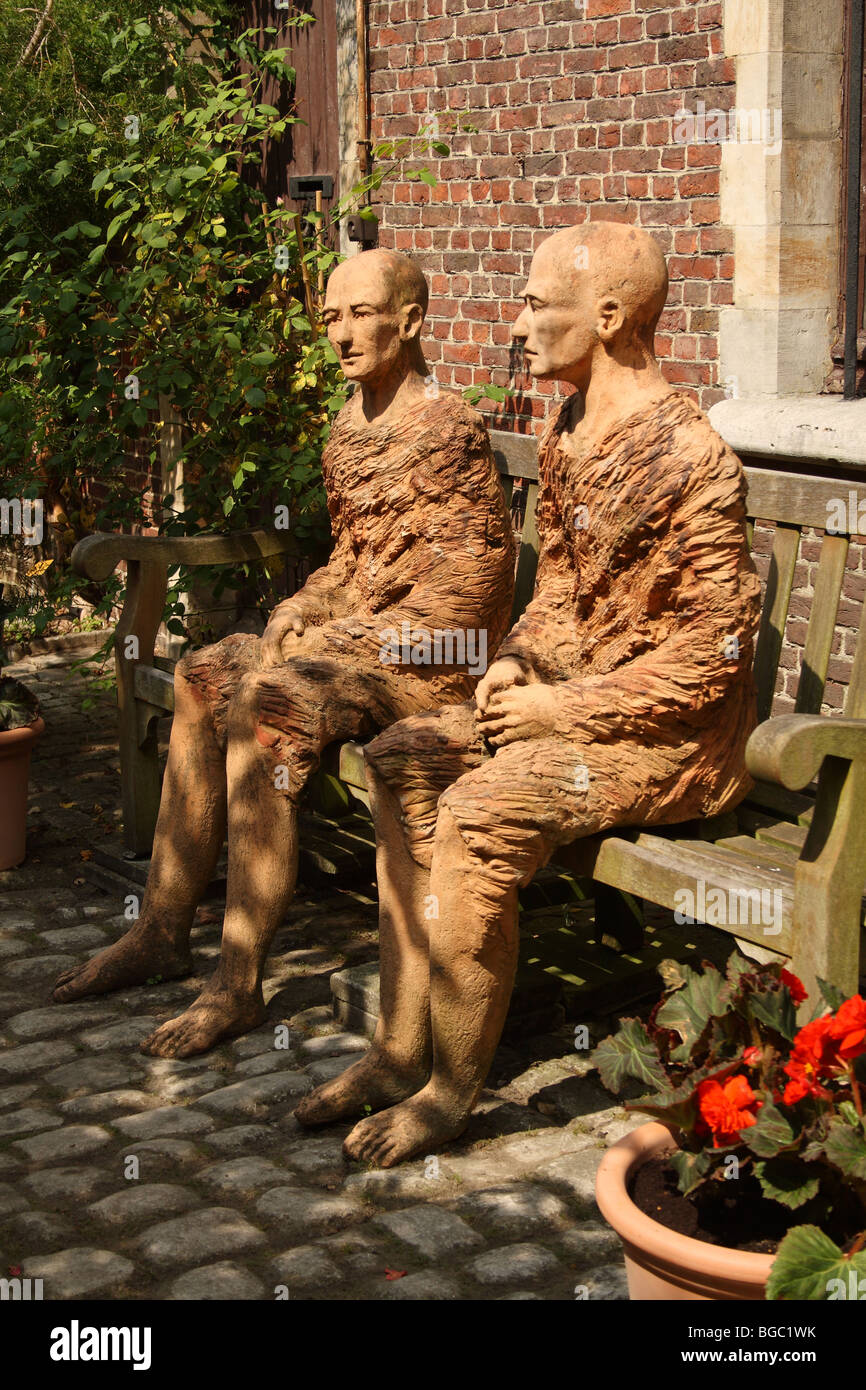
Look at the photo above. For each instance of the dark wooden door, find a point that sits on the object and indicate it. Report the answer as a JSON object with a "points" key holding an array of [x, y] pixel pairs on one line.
{"points": [[311, 146]]}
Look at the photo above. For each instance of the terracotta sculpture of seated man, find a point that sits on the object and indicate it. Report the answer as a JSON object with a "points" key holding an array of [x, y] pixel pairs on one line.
{"points": [[422, 545], [623, 696]]}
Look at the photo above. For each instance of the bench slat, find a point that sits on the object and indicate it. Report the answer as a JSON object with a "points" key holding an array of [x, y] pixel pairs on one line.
{"points": [[822, 625], [352, 767], [527, 562], [653, 868], [855, 702], [785, 834], [795, 498], [516, 455], [761, 850], [155, 687], [796, 806], [771, 633]]}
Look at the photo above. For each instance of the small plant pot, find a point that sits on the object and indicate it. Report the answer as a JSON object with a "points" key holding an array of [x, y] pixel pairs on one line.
{"points": [[660, 1263], [16, 745]]}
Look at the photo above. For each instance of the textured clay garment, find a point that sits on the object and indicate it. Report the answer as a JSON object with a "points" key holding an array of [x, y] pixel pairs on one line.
{"points": [[647, 599], [418, 519], [422, 537]]}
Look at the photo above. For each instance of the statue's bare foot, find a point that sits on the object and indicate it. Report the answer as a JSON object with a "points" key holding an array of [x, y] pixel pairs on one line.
{"points": [[140, 955], [376, 1080], [215, 1015], [420, 1124]]}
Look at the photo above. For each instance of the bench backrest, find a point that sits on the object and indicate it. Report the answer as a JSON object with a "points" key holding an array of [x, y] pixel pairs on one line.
{"points": [[789, 503]]}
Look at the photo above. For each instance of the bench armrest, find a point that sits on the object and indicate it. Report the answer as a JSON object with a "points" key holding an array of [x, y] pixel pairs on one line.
{"points": [[97, 556], [790, 748]]}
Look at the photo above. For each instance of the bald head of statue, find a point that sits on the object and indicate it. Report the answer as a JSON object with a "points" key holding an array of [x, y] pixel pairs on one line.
{"points": [[597, 288], [374, 311]]}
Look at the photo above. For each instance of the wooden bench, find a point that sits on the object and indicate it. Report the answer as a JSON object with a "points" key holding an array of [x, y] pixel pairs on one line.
{"points": [[800, 836]]}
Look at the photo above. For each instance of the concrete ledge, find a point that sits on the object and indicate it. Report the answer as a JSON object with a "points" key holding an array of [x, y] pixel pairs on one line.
{"points": [[807, 427], [89, 641]]}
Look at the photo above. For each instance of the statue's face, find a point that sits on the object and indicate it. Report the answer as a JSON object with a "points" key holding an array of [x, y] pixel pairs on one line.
{"points": [[363, 325], [558, 324]]}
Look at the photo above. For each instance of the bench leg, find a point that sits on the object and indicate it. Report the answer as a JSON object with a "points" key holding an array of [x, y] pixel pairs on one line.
{"points": [[619, 920], [139, 781], [828, 882]]}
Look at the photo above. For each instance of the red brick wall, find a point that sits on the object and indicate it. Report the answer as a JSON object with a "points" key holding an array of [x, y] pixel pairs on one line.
{"points": [[574, 106]]}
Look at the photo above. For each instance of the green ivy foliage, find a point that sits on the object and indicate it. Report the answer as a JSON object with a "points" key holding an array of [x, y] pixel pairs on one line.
{"points": [[141, 270]]}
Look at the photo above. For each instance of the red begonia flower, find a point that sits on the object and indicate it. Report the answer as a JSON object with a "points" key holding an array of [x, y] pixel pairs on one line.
{"points": [[796, 988], [814, 1055], [848, 1027], [727, 1109]]}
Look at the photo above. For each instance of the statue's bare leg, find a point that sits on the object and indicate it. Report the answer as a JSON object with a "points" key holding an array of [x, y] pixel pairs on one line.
{"points": [[398, 1062], [262, 869], [189, 835], [496, 825], [473, 960]]}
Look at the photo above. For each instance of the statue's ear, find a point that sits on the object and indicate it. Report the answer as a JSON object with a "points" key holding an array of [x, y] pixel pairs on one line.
{"points": [[609, 318], [411, 319]]}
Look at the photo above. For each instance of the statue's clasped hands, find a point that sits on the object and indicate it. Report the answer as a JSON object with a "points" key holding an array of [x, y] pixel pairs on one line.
{"points": [[513, 703]]}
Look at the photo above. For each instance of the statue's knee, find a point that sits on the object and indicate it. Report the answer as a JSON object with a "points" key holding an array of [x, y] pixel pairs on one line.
{"points": [[246, 705], [196, 683]]}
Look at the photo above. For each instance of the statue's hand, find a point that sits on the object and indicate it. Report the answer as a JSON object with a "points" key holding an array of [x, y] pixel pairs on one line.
{"points": [[519, 712], [287, 623], [502, 674]]}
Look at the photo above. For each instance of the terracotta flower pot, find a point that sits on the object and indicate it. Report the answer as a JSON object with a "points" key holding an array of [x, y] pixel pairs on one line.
{"points": [[660, 1263], [16, 745]]}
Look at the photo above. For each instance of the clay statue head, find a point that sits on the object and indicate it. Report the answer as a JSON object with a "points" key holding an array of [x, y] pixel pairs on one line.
{"points": [[594, 289], [374, 310]]}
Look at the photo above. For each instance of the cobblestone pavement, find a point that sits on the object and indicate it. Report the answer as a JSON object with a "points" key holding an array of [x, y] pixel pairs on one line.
{"points": [[129, 1177]]}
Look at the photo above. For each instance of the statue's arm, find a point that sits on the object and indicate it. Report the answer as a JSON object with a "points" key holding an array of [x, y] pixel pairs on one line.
{"points": [[329, 592]]}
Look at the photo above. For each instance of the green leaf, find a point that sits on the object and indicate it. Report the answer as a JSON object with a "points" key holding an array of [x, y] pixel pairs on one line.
{"points": [[834, 997], [704, 996], [629, 1052], [786, 1180], [254, 395], [690, 1168], [738, 966], [846, 1148], [775, 1009], [770, 1133], [426, 177], [809, 1265]]}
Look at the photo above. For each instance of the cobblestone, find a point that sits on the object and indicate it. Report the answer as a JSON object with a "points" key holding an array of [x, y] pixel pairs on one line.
{"points": [[79, 1272], [513, 1264], [218, 1281], [430, 1231], [142, 1202], [73, 1141], [199, 1237]]}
